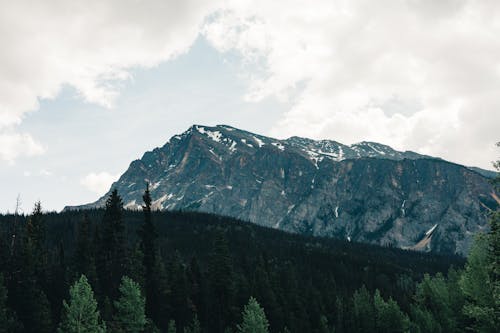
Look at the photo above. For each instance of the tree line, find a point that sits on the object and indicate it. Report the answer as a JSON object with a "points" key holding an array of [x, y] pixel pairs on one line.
{"points": [[112, 270]]}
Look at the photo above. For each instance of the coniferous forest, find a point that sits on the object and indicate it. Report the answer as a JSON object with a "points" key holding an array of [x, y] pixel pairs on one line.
{"points": [[113, 270]]}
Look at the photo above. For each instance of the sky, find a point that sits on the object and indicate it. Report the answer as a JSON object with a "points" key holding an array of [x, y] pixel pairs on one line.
{"points": [[88, 86]]}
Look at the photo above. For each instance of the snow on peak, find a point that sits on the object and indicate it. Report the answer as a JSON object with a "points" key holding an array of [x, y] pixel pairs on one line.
{"points": [[278, 145], [259, 141], [214, 135]]}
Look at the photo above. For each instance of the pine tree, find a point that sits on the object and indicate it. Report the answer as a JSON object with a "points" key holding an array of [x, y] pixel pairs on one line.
{"points": [[84, 259], [220, 275], [31, 304], [112, 252], [364, 311], [81, 314], [434, 295], [389, 317], [179, 294], [478, 288], [148, 238], [254, 318], [171, 327], [6, 319], [130, 315], [194, 326]]}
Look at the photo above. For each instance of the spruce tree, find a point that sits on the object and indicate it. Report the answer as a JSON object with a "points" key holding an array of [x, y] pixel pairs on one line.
{"points": [[220, 275], [364, 311], [478, 288], [148, 238], [112, 252], [480, 281], [6, 318], [254, 318], [194, 326], [84, 258], [171, 327], [80, 315], [30, 299], [130, 316], [389, 317]]}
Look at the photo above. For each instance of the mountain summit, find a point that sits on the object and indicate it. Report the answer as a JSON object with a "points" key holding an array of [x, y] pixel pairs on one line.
{"points": [[365, 192]]}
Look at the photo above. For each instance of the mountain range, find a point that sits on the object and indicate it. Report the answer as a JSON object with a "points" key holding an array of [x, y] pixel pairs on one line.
{"points": [[365, 192]]}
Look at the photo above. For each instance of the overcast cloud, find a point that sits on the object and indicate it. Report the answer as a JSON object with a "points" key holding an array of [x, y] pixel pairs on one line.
{"points": [[420, 75]]}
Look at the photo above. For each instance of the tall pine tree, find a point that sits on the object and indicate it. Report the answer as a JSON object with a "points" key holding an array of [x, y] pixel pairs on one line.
{"points": [[112, 254], [220, 274], [148, 237], [84, 259]]}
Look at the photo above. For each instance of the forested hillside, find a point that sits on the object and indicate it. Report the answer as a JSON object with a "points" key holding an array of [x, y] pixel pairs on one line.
{"points": [[197, 272]]}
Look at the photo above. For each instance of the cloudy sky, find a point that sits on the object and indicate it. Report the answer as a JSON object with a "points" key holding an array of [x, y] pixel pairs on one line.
{"points": [[88, 86]]}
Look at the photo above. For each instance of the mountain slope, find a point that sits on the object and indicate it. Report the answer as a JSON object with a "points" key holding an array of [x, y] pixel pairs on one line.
{"points": [[365, 192]]}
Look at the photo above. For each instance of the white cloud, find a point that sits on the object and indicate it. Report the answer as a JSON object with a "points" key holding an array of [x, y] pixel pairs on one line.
{"points": [[14, 145], [98, 182], [420, 75], [415, 74], [90, 45], [45, 173]]}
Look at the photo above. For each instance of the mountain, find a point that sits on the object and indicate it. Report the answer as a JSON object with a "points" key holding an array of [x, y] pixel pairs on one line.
{"points": [[366, 192]]}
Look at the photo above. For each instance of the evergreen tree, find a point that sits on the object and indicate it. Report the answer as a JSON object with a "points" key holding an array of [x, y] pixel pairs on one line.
{"points": [[254, 318], [112, 252], [6, 318], [148, 236], [81, 314], [31, 304], [389, 317], [171, 327], [194, 326], [324, 327], [84, 259], [478, 288], [220, 274], [433, 294], [480, 281], [178, 299], [364, 311], [130, 315]]}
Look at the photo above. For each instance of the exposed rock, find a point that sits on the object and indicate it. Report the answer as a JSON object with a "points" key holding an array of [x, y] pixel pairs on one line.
{"points": [[365, 192]]}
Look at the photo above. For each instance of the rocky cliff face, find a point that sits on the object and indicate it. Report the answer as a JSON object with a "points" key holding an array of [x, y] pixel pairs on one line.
{"points": [[365, 192]]}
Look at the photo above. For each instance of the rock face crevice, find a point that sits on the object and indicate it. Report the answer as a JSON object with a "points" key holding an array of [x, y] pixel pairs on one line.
{"points": [[365, 192]]}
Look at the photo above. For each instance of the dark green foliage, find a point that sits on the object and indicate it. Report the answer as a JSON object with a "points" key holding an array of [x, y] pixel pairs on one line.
{"points": [[80, 314], [364, 310], [388, 315], [194, 326], [84, 258], [254, 318], [171, 327], [478, 288], [221, 283], [6, 318], [112, 250], [130, 307], [206, 267], [148, 236]]}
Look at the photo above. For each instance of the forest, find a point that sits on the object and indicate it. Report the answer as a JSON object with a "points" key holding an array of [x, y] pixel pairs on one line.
{"points": [[114, 270]]}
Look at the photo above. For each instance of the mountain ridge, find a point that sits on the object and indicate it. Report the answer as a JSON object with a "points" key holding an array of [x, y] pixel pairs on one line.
{"points": [[318, 187]]}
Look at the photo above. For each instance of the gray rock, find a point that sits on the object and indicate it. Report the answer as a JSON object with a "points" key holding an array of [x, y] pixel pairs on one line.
{"points": [[366, 192]]}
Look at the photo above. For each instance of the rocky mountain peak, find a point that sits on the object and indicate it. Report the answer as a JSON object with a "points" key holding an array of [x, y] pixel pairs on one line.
{"points": [[364, 192]]}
